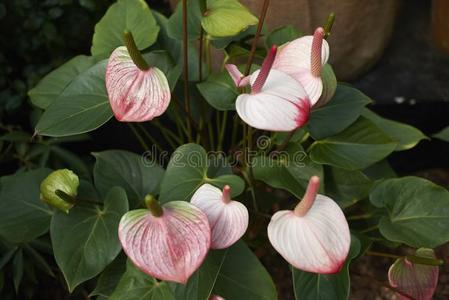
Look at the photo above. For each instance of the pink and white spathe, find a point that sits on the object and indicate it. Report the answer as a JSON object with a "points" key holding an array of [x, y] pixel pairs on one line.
{"points": [[314, 237], [415, 280], [303, 59], [168, 245], [135, 95], [277, 102], [228, 219]]}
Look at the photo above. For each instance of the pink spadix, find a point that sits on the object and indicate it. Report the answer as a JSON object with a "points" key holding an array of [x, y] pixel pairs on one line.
{"points": [[137, 92], [303, 59], [415, 280], [168, 242], [314, 237], [228, 219], [277, 102]]}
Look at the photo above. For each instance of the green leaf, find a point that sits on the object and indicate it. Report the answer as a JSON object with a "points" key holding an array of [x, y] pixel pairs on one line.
{"points": [[219, 91], [53, 84], [17, 269], [135, 284], [226, 18], [235, 267], [289, 170], [174, 25], [347, 187], [357, 147], [341, 111], [82, 107], [131, 15], [136, 174], [187, 171], [110, 277], [23, 216], [282, 35], [318, 286], [162, 60], [405, 135], [417, 211], [86, 241], [443, 134]]}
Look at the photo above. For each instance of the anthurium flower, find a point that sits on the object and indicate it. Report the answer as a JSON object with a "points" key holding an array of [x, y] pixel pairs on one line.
{"points": [[277, 102], [314, 237], [137, 92], [418, 281], [168, 242], [303, 59], [58, 187], [228, 219], [216, 297]]}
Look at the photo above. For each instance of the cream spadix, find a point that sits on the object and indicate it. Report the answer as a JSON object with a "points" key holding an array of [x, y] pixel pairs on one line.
{"points": [[168, 242], [314, 237], [137, 92], [277, 102], [228, 219], [303, 59], [415, 280]]}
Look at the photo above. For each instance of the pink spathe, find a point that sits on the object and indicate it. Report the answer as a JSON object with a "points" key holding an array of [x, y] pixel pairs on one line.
{"points": [[315, 236], [277, 101], [228, 219], [302, 59], [170, 247], [135, 95]]}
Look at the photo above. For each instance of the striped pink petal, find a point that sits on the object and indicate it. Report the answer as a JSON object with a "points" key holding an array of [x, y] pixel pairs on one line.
{"points": [[135, 95], [216, 297], [302, 59], [281, 105], [228, 219], [239, 79], [416, 280], [170, 247], [315, 236]]}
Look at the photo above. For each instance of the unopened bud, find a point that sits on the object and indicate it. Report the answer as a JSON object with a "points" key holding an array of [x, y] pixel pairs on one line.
{"points": [[59, 188]]}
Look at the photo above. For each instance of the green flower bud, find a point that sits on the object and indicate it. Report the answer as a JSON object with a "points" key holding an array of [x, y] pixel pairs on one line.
{"points": [[59, 189]]}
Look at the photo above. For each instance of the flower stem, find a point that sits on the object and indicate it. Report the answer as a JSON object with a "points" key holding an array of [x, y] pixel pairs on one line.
{"points": [[153, 205], [222, 130], [185, 49], [139, 137], [252, 53], [329, 24], [73, 200], [148, 136], [372, 228], [134, 52], [412, 258]]}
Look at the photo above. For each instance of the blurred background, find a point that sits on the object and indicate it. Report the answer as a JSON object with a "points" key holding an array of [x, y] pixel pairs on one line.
{"points": [[397, 52]]}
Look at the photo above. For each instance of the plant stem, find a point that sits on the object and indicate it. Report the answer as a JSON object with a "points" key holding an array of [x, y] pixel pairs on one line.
{"points": [[381, 254], [360, 217], [329, 24], [222, 130], [200, 54], [139, 137], [148, 136], [372, 228], [286, 141], [169, 136], [134, 52], [185, 48], [412, 258], [252, 53]]}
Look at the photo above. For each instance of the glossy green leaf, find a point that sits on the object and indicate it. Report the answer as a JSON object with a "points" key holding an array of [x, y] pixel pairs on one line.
{"points": [[357, 147], [341, 111], [135, 284], [110, 277], [131, 15], [54, 83], [347, 187], [417, 211], [405, 135], [226, 18], [137, 175], [174, 25], [17, 269], [289, 170], [82, 107], [85, 241], [219, 91], [23, 216], [318, 286], [443, 134], [282, 35], [187, 171], [233, 273]]}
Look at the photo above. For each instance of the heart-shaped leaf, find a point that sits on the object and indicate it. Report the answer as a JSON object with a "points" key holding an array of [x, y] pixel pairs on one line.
{"points": [[219, 91], [125, 15], [417, 211], [23, 216], [86, 241], [281, 35], [355, 148]]}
